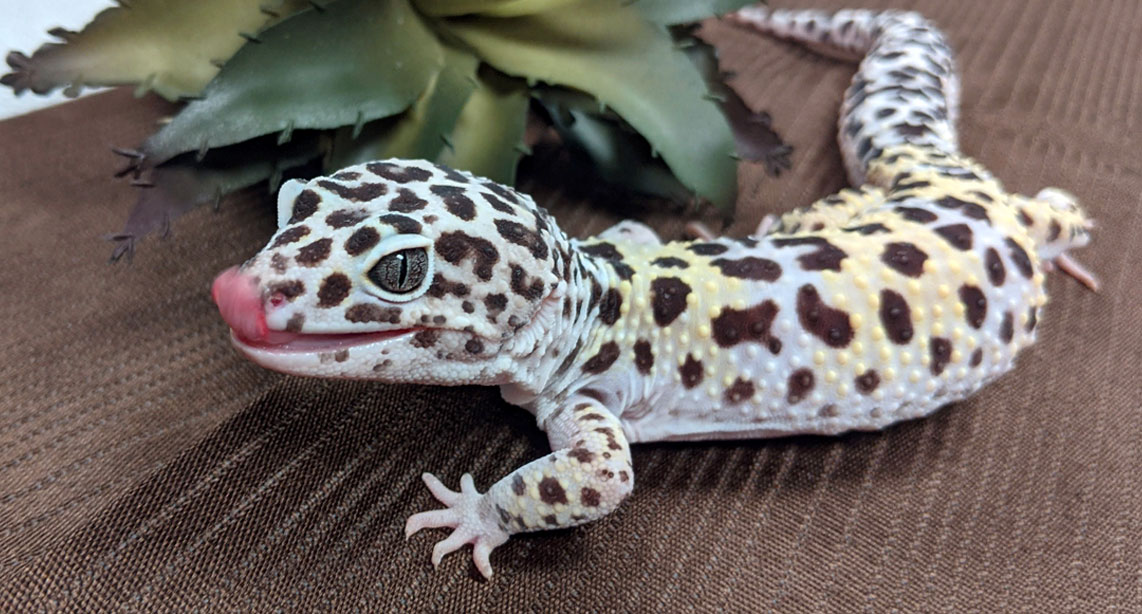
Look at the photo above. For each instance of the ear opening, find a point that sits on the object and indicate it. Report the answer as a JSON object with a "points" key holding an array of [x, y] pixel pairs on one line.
{"points": [[286, 195]]}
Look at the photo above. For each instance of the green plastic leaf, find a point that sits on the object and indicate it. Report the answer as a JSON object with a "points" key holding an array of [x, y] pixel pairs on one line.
{"points": [[170, 46], [616, 153], [673, 12], [488, 138], [175, 188], [629, 64], [419, 132], [349, 63], [754, 136], [491, 8]]}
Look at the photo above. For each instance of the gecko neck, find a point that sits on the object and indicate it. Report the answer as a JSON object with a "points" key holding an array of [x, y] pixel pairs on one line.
{"points": [[567, 323]]}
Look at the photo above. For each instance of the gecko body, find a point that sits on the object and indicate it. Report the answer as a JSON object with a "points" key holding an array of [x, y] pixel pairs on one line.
{"points": [[875, 305]]}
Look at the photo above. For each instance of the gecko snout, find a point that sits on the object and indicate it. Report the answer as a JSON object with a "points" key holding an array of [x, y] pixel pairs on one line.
{"points": [[240, 302]]}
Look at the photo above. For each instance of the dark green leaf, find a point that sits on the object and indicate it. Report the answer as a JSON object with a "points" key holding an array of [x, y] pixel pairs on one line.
{"points": [[627, 63], [170, 46], [419, 132], [488, 139], [352, 62]]}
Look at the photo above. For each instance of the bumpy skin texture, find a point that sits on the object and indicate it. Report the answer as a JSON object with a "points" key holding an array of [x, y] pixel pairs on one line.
{"points": [[868, 307]]}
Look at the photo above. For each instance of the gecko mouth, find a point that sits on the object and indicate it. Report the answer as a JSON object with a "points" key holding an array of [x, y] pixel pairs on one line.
{"points": [[301, 343]]}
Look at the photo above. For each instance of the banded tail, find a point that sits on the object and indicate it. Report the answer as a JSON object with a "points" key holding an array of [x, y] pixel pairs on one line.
{"points": [[905, 91]]}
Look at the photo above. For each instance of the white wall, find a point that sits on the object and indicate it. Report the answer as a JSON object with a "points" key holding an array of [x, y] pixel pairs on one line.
{"points": [[24, 27]]}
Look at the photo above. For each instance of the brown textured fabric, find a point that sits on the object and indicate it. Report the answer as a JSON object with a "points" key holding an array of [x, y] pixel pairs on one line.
{"points": [[144, 465]]}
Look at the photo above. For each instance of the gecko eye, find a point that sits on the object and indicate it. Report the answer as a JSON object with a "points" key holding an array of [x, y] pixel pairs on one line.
{"points": [[401, 272]]}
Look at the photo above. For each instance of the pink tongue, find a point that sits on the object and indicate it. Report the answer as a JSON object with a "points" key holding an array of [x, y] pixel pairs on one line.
{"points": [[240, 304]]}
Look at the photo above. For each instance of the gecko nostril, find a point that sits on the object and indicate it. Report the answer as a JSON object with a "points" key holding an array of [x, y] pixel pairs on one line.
{"points": [[277, 299]]}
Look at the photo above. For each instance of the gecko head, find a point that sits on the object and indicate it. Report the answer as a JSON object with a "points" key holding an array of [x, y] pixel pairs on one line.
{"points": [[397, 271], [1057, 222]]}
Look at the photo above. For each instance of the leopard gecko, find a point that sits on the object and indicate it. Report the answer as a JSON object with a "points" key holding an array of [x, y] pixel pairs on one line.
{"points": [[878, 304]]}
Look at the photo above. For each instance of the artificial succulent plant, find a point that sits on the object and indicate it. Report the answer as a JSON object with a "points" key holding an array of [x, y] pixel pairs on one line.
{"points": [[273, 85]]}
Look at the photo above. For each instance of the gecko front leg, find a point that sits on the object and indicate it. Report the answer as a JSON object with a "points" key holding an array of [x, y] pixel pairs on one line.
{"points": [[586, 476]]}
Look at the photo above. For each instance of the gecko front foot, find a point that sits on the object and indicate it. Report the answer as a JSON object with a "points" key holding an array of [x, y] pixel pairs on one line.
{"points": [[463, 516]]}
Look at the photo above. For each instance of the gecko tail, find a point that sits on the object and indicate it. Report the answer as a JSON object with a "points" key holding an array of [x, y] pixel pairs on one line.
{"points": [[906, 90]]}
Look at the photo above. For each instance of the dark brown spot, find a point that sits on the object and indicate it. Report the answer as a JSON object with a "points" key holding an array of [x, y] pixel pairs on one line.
{"points": [[279, 263], [800, 385], [551, 520], [668, 299], [691, 371], [602, 249], [290, 235], [774, 345], [1032, 318], [498, 204], [905, 258], [975, 304], [590, 497], [1053, 230], [518, 487], [365, 312], [959, 235], [495, 303], [343, 218], [969, 209], [826, 257], [896, 316], [941, 349], [643, 356], [583, 455], [913, 214], [505, 193], [425, 338], [1007, 327], [609, 306], [519, 285], [623, 477], [550, 492], [670, 262], [1025, 218], [734, 326], [740, 390], [289, 290], [458, 245], [359, 193], [518, 234], [830, 325], [593, 415], [341, 355], [976, 357], [707, 249], [397, 173], [362, 240], [1020, 258], [456, 201], [442, 286], [867, 382], [868, 229], [996, 272], [608, 354], [405, 225], [474, 346], [295, 323], [761, 269], [333, 290], [315, 253], [304, 206], [612, 443], [407, 201]]}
